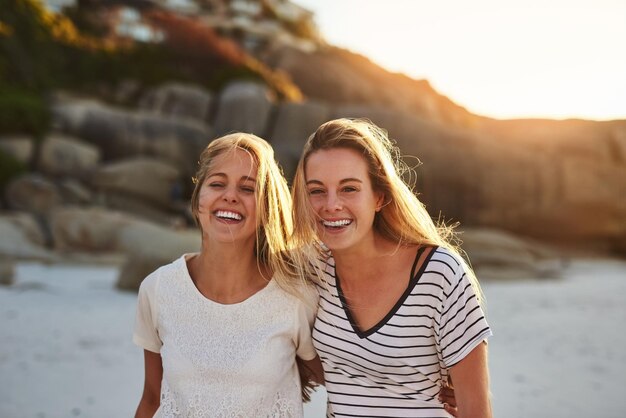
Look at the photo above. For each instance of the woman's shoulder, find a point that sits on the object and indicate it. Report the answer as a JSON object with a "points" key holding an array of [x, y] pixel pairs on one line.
{"points": [[308, 294], [304, 300], [295, 291], [447, 257], [446, 264], [294, 297]]}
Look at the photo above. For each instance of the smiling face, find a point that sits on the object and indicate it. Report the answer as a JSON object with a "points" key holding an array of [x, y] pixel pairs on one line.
{"points": [[341, 195], [226, 201]]}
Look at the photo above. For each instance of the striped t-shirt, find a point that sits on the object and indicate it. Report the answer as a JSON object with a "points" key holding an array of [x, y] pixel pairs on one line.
{"points": [[396, 368]]}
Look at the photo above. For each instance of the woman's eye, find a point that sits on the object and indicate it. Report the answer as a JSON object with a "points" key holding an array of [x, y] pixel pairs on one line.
{"points": [[216, 185], [247, 189], [350, 189], [315, 191]]}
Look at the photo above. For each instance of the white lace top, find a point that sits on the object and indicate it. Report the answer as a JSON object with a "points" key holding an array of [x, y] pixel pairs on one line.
{"points": [[223, 360]]}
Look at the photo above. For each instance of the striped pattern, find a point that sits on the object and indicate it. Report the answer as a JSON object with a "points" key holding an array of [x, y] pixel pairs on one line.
{"points": [[395, 368]]}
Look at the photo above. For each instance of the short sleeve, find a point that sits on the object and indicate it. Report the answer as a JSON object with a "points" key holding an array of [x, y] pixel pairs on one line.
{"points": [[305, 315], [462, 324], [146, 333]]}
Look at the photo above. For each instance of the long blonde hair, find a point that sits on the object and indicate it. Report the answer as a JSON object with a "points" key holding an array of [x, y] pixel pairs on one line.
{"points": [[403, 218], [274, 247]]}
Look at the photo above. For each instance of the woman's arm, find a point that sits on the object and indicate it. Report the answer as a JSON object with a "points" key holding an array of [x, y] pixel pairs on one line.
{"points": [[151, 397], [311, 375], [313, 369], [471, 384]]}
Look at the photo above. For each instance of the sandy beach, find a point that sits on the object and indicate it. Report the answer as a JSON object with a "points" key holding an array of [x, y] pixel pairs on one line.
{"points": [[557, 350]]}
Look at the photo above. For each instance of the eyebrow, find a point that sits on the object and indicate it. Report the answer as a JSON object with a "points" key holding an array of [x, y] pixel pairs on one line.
{"points": [[347, 180], [243, 178]]}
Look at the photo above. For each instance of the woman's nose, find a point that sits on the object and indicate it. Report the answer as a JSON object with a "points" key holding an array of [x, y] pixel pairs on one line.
{"points": [[333, 203], [230, 195]]}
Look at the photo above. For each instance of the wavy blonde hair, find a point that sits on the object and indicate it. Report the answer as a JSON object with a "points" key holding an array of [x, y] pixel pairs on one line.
{"points": [[274, 246], [403, 218]]}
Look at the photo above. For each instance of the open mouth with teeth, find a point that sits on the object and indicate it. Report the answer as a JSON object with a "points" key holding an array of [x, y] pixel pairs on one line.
{"points": [[337, 224], [228, 216]]}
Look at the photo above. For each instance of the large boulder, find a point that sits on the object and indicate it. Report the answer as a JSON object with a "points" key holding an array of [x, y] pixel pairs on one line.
{"points": [[575, 181], [155, 181], [32, 193], [415, 136], [21, 239], [497, 254], [434, 152], [294, 123], [151, 246], [97, 229], [142, 208], [574, 196], [69, 113], [338, 76], [135, 269], [61, 155], [7, 271], [74, 192], [91, 229], [29, 225], [21, 148], [582, 201], [244, 107], [157, 241], [121, 133], [580, 139], [146, 245], [180, 101]]}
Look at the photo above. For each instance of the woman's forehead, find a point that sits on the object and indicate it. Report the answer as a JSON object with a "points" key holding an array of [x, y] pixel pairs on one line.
{"points": [[232, 161], [336, 164]]}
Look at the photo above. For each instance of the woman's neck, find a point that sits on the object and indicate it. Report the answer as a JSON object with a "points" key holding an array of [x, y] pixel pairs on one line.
{"points": [[366, 260], [227, 273]]}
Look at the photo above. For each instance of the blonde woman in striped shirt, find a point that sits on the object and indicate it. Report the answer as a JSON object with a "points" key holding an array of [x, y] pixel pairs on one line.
{"points": [[399, 309]]}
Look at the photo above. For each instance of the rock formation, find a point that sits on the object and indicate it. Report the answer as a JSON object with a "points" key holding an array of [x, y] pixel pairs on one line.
{"points": [[112, 179]]}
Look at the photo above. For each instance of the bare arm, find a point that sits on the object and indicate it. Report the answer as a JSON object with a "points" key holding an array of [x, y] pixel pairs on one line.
{"points": [[151, 397], [311, 374], [471, 384], [314, 369]]}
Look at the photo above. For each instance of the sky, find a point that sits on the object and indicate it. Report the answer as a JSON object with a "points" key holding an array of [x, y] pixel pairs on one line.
{"points": [[499, 58]]}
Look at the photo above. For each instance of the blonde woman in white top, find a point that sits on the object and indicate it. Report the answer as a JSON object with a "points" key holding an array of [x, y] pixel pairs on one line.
{"points": [[221, 329]]}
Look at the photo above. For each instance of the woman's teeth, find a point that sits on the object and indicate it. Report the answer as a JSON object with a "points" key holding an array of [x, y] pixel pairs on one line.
{"points": [[228, 215], [335, 224]]}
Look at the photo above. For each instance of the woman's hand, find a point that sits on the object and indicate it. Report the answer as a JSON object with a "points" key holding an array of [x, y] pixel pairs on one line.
{"points": [[446, 396]]}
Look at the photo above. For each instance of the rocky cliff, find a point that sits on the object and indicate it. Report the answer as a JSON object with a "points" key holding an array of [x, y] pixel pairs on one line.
{"points": [[106, 177], [561, 181]]}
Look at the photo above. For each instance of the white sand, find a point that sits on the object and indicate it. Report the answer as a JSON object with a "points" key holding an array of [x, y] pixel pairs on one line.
{"points": [[558, 349]]}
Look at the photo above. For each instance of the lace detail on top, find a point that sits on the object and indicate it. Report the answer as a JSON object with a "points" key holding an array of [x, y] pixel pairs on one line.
{"points": [[281, 406], [226, 360]]}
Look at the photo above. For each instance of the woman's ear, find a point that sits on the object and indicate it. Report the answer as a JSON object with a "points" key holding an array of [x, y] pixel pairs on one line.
{"points": [[380, 202]]}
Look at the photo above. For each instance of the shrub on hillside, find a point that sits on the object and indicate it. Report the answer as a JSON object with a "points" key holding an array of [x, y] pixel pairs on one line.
{"points": [[41, 51], [23, 112], [9, 168], [201, 54]]}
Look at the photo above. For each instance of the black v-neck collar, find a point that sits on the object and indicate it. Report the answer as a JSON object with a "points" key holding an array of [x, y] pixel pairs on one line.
{"points": [[414, 278]]}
